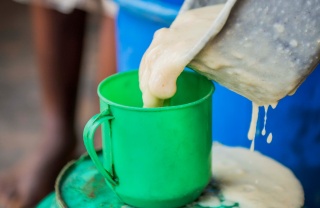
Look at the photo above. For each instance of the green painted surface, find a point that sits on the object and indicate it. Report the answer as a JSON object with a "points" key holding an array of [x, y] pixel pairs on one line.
{"points": [[80, 185], [48, 202]]}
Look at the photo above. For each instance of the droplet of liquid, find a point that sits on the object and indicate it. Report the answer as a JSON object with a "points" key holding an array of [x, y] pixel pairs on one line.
{"points": [[274, 105], [269, 138]]}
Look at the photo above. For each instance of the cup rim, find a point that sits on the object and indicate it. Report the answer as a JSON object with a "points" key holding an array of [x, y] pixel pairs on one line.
{"points": [[154, 109]]}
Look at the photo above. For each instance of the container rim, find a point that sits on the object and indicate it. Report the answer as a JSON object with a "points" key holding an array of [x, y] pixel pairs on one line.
{"points": [[166, 108]]}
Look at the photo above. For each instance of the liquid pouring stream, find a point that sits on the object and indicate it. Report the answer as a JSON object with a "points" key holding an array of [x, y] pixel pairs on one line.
{"points": [[251, 47]]}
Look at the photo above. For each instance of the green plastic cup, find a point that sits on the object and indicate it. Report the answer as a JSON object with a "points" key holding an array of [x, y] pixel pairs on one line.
{"points": [[153, 157]]}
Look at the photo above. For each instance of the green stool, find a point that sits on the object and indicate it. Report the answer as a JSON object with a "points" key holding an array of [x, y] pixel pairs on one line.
{"points": [[80, 185]]}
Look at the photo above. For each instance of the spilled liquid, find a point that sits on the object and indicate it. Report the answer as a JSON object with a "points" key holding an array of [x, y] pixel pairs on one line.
{"points": [[254, 180]]}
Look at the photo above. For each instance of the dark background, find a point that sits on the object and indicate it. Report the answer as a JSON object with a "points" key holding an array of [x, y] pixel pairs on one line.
{"points": [[20, 118]]}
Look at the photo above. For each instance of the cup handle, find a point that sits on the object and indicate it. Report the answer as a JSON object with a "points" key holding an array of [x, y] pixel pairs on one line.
{"points": [[88, 138]]}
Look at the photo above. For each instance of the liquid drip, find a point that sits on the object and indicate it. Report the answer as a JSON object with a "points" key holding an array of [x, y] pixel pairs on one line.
{"points": [[253, 124], [252, 145], [269, 138], [265, 120]]}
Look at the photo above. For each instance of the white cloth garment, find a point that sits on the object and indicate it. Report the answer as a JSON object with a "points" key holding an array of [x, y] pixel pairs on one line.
{"points": [[108, 7]]}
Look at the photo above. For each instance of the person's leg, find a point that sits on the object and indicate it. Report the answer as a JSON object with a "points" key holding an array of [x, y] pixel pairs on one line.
{"points": [[106, 57], [107, 49], [59, 43]]}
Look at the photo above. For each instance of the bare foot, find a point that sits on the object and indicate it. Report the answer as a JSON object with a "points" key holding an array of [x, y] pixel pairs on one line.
{"points": [[33, 178]]}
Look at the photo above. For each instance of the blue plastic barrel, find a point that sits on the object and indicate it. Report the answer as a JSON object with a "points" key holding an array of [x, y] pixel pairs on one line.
{"points": [[295, 123], [136, 22]]}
